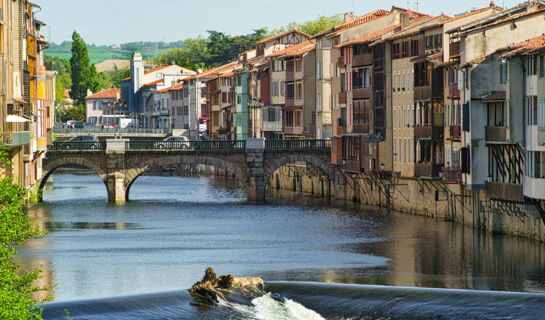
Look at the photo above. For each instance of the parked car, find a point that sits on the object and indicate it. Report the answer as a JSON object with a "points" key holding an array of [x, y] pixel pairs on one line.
{"points": [[81, 142], [174, 142], [82, 125]]}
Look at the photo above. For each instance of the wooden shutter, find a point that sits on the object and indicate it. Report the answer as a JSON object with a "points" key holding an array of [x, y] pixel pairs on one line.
{"points": [[465, 117]]}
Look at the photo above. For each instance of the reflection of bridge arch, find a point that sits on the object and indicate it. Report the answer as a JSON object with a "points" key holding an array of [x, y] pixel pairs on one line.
{"points": [[138, 168], [50, 166]]}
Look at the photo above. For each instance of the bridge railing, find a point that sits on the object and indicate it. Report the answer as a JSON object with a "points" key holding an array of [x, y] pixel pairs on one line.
{"points": [[186, 145], [297, 144], [67, 130], [78, 145]]}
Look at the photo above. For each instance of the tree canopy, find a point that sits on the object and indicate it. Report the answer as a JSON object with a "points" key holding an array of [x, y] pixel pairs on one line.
{"points": [[80, 69], [16, 285], [313, 27], [217, 49]]}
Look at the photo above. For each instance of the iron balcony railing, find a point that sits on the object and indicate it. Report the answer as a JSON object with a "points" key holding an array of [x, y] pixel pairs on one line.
{"points": [[186, 145], [78, 145], [297, 144]]}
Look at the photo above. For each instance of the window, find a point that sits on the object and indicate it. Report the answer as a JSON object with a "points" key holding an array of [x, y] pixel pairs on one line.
{"points": [[290, 91], [532, 110], [282, 88], [395, 51], [532, 65], [541, 113], [414, 48], [298, 65], [405, 49], [503, 72], [541, 66], [299, 90], [319, 70], [319, 102], [94, 105]]}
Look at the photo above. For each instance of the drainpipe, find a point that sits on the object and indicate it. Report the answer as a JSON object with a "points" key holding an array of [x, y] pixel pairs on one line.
{"points": [[523, 95]]}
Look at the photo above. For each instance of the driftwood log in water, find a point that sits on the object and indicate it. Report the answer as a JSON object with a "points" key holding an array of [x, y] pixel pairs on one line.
{"points": [[208, 290]]}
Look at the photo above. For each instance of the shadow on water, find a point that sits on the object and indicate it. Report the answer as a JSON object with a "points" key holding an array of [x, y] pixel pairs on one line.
{"points": [[175, 226]]}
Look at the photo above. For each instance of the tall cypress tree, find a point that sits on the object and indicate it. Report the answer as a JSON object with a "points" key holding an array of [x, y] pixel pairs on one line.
{"points": [[80, 72]]}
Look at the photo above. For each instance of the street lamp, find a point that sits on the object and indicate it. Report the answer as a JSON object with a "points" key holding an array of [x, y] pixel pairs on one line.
{"points": [[117, 106], [255, 104]]}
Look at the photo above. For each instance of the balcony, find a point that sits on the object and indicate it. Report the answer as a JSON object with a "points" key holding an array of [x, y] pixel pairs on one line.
{"points": [[452, 175], [271, 126], [496, 134], [362, 60], [293, 130], [534, 187], [342, 98], [360, 128], [340, 61], [428, 132], [454, 49], [455, 133], [361, 93], [422, 93], [505, 191], [454, 92], [290, 75], [290, 102], [18, 138], [427, 169], [535, 137]]}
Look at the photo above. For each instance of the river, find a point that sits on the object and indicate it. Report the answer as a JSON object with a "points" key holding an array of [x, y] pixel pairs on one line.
{"points": [[160, 242]]}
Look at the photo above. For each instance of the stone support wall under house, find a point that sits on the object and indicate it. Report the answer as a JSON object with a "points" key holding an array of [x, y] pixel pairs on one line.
{"points": [[432, 198]]}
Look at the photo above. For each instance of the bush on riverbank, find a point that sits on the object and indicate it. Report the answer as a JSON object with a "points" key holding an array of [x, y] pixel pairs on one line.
{"points": [[16, 285]]}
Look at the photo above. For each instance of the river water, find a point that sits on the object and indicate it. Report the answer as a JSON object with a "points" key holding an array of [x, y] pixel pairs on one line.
{"points": [[134, 261]]}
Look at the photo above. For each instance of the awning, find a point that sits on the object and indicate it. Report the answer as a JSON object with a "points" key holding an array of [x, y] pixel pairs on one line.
{"points": [[498, 96], [17, 119]]}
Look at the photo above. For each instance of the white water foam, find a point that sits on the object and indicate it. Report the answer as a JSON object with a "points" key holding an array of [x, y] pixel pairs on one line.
{"points": [[268, 308]]}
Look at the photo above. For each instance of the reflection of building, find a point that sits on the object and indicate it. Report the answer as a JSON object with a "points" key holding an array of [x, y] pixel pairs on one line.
{"points": [[100, 107]]}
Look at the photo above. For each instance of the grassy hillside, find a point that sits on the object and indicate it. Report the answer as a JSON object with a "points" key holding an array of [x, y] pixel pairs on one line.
{"points": [[98, 54]]}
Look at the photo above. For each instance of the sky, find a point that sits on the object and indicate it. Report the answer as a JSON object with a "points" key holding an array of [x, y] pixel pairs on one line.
{"points": [[118, 21]]}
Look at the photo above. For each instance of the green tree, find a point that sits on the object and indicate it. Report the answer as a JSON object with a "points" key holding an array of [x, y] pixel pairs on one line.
{"points": [[76, 112], [94, 85], [16, 285], [63, 82], [117, 75], [80, 69], [313, 27]]}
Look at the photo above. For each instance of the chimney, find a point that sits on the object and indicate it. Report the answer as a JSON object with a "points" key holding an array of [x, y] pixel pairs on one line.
{"points": [[404, 19], [349, 16]]}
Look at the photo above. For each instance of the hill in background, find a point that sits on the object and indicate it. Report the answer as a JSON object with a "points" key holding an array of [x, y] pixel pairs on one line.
{"points": [[124, 51]]}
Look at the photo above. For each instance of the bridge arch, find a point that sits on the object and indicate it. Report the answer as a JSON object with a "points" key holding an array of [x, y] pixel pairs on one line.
{"points": [[321, 163], [51, 166], [234, 167]]}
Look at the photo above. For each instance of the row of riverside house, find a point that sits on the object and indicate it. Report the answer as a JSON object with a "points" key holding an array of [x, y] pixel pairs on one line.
{"points": [[27, 91], [459, 99]]}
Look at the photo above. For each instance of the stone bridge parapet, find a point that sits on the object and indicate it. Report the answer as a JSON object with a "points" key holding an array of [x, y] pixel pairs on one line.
{"points": [[253, 164]]}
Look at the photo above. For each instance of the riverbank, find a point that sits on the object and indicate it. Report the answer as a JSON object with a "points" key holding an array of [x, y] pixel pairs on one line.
{"points": [[431, 198]]}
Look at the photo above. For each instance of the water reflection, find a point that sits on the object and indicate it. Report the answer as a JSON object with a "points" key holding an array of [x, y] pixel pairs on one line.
{"points": [[174, 227]]}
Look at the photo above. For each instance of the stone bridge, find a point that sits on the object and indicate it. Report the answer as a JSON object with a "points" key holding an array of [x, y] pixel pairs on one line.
{"points": [[253, 162]]}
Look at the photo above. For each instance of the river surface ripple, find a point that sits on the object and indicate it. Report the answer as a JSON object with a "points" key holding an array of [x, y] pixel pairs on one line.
{"points": [[176, 226]]}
